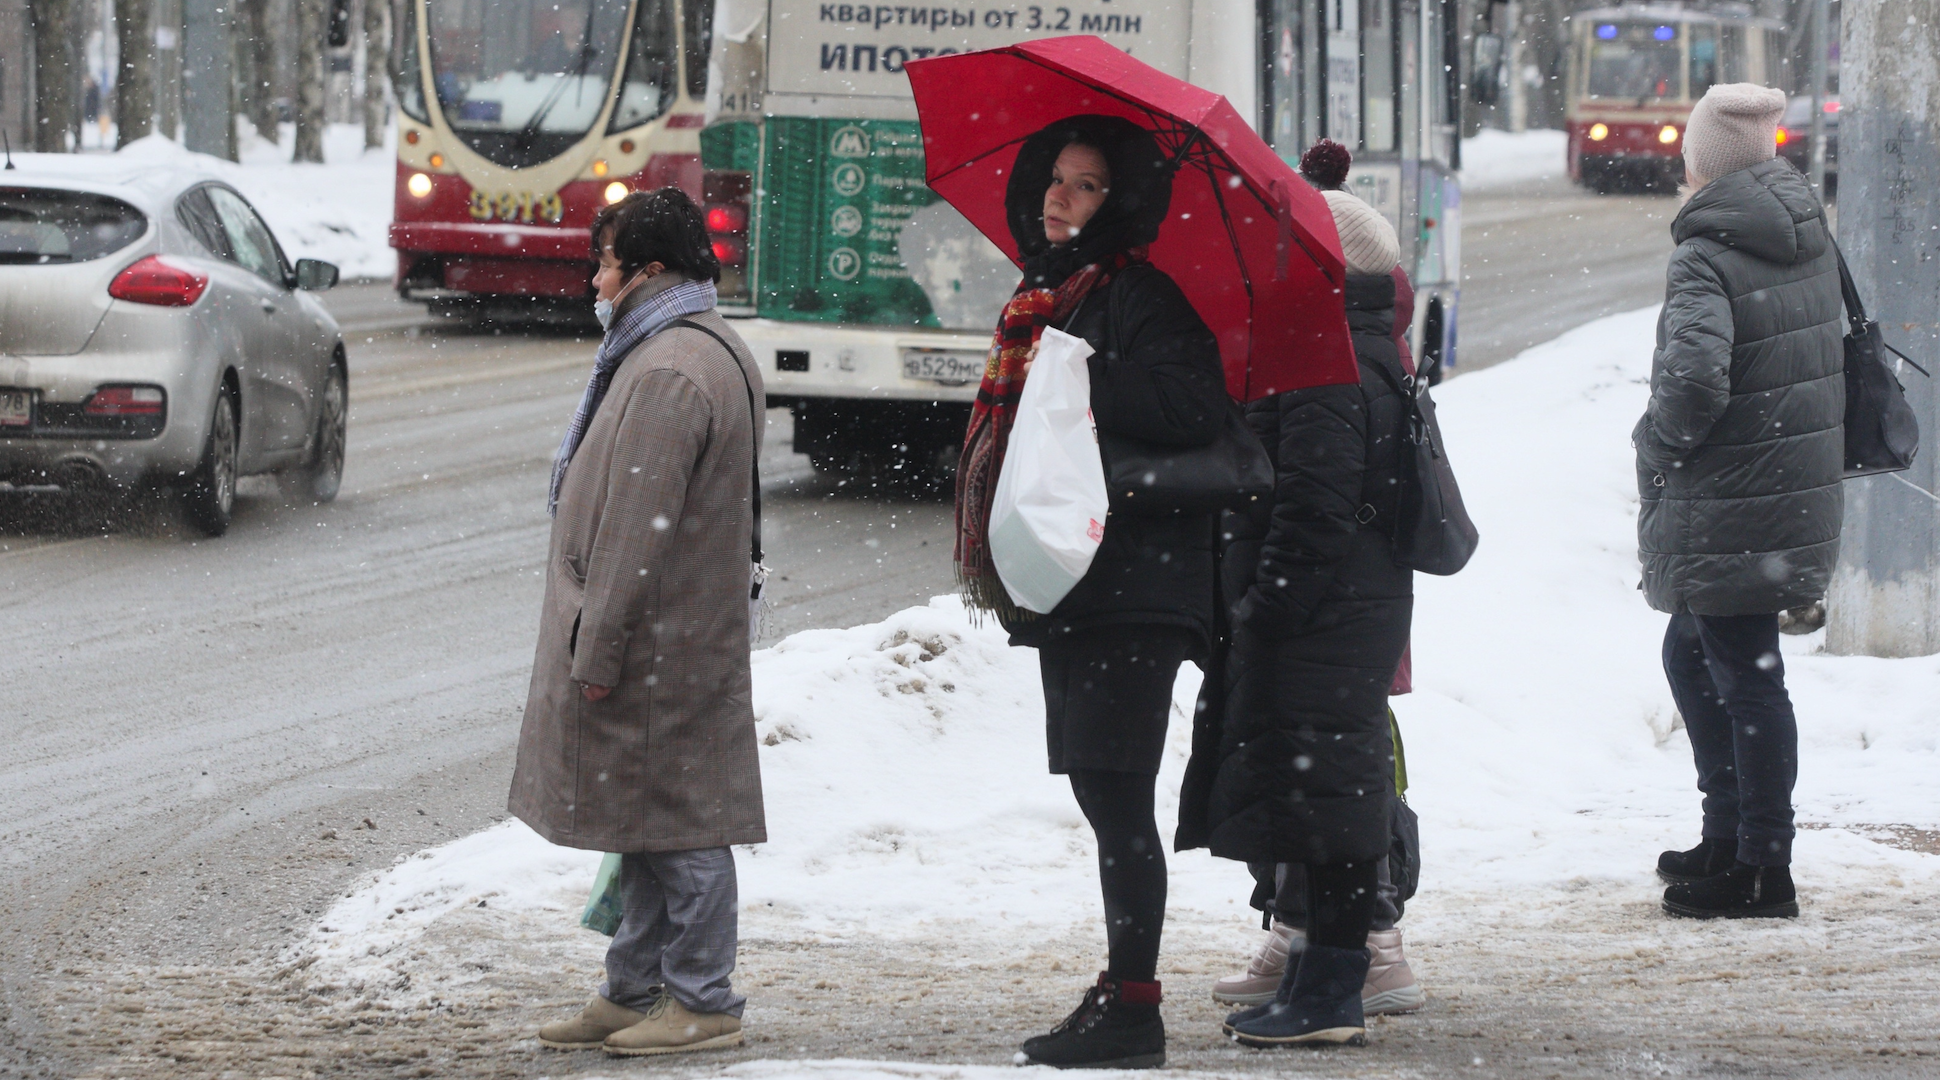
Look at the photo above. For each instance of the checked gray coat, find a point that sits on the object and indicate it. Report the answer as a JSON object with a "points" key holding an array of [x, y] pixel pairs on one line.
{"points": [[1741, 452], [647, 592]]}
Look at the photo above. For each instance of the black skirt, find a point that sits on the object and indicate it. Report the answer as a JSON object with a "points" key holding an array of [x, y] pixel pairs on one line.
{"points": [[1108, 695]]}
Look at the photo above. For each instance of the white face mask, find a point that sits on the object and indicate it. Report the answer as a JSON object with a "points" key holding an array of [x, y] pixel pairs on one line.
{"points": [[603, 309]]}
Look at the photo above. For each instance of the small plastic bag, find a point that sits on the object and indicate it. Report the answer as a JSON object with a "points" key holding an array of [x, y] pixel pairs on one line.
{"points": [[603, 906], [1048, 513]]}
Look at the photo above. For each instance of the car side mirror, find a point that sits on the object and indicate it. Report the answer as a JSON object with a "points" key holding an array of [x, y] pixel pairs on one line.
{"points": [[315, 275], [1485, 75]]}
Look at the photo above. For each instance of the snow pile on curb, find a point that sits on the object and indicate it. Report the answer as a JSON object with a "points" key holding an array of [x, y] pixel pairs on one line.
{"points": [[339, 211], [903, 761], [1493, 159]]}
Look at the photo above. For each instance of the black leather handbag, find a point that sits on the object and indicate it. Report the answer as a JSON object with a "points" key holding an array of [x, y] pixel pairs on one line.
{"points": [[1432, 533], [1150, 478], [1882, 432]]}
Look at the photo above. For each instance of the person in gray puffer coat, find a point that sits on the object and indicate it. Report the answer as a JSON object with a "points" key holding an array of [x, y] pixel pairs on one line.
{"points": [[1739, 461]]}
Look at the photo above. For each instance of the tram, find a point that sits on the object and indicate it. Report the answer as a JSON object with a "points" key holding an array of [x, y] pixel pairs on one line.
{"points": [[518, 120], [1633, 73]]}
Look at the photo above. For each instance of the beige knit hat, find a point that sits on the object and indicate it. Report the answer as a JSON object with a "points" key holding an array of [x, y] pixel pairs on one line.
{"points": [[1366, 238], [1734, 126]]}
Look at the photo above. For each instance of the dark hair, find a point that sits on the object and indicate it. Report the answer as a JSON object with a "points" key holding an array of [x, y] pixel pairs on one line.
{"points": [[661, 226], [1139, 199]]}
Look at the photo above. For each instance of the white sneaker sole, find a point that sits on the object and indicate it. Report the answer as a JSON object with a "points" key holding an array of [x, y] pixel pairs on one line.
{"points": [[732, 1038], [1388, 1002]]}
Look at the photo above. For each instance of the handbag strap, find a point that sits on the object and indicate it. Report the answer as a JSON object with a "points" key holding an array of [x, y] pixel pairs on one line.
{"points": [[753, 420], [1403, 385], [1855, 307]]}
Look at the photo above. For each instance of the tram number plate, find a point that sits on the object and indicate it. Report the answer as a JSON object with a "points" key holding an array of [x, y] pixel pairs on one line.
{"points": [[948, 368], [16, 407]]}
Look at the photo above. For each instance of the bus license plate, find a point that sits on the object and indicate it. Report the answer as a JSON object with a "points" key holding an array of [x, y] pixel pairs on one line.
{"points": [[16, 408], [948, 368]]}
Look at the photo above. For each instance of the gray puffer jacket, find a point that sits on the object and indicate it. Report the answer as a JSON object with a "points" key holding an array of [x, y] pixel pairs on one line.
{"points": [[1740, 454]]}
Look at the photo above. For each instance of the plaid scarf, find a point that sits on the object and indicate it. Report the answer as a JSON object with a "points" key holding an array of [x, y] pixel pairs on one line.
{"points": [[641, 321], [984, 443]]}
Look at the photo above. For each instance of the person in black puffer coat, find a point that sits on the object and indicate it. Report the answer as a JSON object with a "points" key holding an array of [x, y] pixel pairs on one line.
{"points": [[1740, 457], [1320, 613], [1086, 196]]}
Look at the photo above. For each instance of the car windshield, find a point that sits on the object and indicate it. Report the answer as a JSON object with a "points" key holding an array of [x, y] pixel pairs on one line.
{"points": [[1635, 60], [521, 80], [40, 226]]}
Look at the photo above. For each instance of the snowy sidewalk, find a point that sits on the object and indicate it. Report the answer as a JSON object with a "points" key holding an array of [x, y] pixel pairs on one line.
{"points": [[925, 865]]}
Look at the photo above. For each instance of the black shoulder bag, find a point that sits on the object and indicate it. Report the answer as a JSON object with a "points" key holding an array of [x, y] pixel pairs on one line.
{"points": [[1882, 433], [757, 573], [1143, 477], [1432, 530]]}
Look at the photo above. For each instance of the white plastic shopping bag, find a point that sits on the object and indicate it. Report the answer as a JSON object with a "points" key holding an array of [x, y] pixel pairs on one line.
{"points": [[1049, 510]]}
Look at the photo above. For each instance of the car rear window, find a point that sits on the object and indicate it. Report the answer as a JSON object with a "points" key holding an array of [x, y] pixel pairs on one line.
{"points": [[42, 226]]}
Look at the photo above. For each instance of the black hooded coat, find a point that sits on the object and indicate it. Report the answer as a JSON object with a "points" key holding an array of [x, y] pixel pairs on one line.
{"points": [[1741, 452], [1155, 376], [1291, 757]]}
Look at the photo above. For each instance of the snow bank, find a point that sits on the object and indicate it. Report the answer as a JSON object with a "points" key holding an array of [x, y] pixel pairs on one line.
{"points": [[1493, 159], [339, 211], [903, 761]]}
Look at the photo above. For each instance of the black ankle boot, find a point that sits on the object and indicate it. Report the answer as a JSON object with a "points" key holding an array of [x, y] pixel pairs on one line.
{"points": [[1712, 856], [1117, 1026], [1319, 1003], [1742, 892]]}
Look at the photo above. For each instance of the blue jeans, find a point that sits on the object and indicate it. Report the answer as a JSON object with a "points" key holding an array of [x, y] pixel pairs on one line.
{"points": [[1729, 682]]}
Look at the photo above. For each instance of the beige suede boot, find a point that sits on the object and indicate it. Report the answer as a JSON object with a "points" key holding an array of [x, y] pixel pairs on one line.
{"points": [[590, 1028], [670, 1028], [1261, 979], [1391, 986]]}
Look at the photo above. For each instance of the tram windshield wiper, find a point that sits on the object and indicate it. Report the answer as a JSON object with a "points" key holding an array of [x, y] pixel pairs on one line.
{"points": [[587, 51]]}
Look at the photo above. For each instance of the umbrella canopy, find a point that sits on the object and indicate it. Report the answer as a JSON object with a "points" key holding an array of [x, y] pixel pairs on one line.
{"points": [[1252, 245]]}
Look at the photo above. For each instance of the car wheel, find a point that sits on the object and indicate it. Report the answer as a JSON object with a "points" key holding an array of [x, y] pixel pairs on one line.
{"points": [[321, 478], [210, 499]]}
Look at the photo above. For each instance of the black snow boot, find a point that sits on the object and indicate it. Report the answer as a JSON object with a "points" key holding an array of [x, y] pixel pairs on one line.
{"points": [[1711, 856], [1319, 1003], [1742, 892], [1117, 1026]]}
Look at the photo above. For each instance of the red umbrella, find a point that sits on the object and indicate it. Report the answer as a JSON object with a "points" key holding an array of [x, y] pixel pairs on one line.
{"points": [[1252, 244]]}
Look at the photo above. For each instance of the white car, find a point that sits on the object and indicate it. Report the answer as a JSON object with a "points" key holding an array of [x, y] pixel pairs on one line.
{"points": [[153, 332]]}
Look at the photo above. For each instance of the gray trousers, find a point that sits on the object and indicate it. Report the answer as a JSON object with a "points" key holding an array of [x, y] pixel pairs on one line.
{"points": [[678, 931]]}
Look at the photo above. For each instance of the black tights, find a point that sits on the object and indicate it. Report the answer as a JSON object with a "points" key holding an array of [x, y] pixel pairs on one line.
{"points": [[1340, 901], [1131, 867]]}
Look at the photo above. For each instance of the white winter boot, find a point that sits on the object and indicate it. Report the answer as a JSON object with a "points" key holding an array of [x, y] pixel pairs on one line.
{"points": [[1391, 985], [1261, 979]]}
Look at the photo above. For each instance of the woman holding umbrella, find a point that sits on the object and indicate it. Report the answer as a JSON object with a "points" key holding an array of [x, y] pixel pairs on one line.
{"points": [[1085, 198]]}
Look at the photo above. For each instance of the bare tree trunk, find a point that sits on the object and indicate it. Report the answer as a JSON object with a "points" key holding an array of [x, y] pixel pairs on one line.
{"points": [[259, 52], [377, 69], [56, 75], [311, 17], [135, 82]]}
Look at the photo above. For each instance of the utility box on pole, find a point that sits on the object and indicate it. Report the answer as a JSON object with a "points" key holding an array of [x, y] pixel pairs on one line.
{"points": [[1885, 597]]}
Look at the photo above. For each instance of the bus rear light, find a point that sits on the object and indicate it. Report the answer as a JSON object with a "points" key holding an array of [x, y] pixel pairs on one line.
{"points": [[419, 185], [727, 218], [152, 281], [1599, 132], [615, 191], [732, 251], [1668, 135], [125, 401]]}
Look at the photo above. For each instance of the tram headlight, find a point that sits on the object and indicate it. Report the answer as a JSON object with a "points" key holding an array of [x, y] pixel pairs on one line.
{"points": [[419, 185], [1668, 135], [615, 191], [1599, 132]]}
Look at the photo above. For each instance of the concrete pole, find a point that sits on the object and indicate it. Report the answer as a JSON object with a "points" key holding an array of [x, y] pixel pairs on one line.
{"points": [[1885, 596]]}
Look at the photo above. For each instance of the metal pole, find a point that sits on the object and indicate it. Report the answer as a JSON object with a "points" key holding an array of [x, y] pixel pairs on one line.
{"points": [[207, 126], [1816, 70], [1885, 596]]}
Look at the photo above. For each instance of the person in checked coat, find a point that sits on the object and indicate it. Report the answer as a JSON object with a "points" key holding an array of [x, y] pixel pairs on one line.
{"points": [[639, 733]]}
